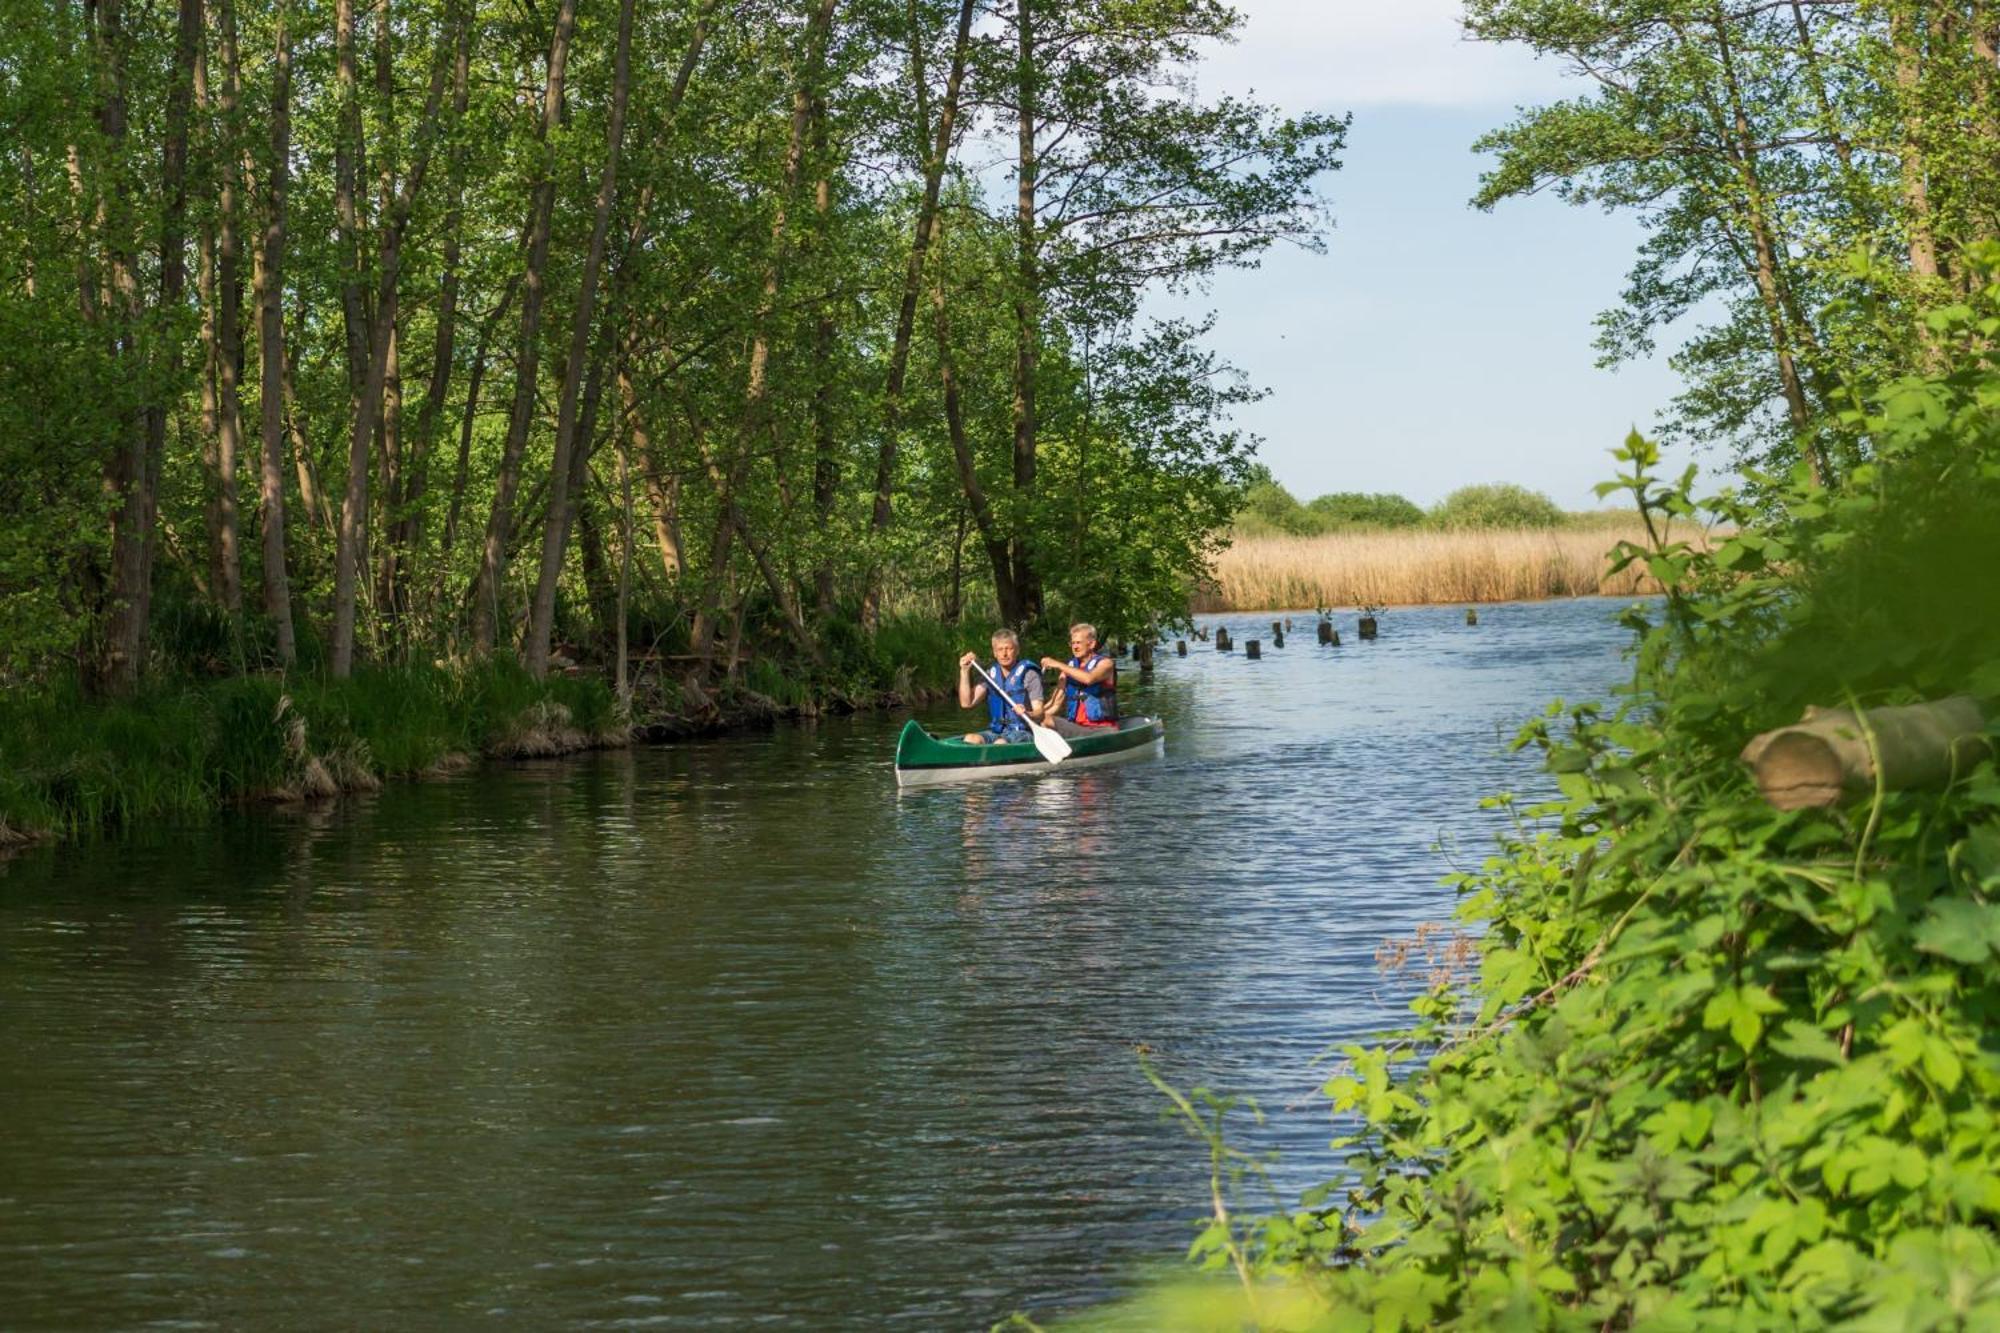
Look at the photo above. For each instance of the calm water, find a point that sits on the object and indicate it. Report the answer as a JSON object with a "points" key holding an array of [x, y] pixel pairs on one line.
{"points": [[732, 1033]]}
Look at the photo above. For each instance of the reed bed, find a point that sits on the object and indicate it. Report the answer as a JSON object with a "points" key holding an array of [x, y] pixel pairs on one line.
{"points": [[1408, 567]]}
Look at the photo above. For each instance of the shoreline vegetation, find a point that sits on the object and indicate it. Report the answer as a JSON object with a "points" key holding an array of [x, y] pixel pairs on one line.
{"points": [[183, 749], [1425, 566], [362, 367]]}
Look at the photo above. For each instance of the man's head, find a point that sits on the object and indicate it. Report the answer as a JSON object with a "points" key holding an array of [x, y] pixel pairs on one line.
{"points": [[1082, 640], [1006, 647]]}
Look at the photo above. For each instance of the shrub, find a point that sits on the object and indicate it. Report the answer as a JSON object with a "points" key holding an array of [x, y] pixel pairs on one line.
{"points": [[1355, 509], [1268, 507], [1497, 505]]}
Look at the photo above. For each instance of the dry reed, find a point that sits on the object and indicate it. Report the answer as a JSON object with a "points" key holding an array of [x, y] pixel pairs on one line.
{"points": [[1406, 567]]}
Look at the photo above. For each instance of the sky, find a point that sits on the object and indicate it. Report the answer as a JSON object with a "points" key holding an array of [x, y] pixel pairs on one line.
{"points": [[1432, 345]]}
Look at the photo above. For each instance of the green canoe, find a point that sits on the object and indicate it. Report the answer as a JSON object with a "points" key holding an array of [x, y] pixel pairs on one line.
{"points": [[924, 760]]}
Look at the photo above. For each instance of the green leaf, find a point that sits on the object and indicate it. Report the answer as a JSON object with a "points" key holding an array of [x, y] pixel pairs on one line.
{"points": [[1963, 931], [1799, 1040]]}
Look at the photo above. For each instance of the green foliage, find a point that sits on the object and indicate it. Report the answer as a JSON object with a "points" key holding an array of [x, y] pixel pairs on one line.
{"points": [[1719, 1065], [1356, 509], [1497, 505], [178, 750], [1267, 508]]}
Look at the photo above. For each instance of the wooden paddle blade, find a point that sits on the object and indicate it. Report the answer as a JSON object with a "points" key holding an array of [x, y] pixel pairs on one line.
{"points": [[1053, 747]]}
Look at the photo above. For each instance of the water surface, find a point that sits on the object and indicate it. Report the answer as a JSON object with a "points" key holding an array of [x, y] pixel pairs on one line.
{"points": [[732, 1033]]}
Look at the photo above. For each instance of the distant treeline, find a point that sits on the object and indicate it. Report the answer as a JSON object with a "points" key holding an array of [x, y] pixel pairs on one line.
{"points": [[1269, 509]]}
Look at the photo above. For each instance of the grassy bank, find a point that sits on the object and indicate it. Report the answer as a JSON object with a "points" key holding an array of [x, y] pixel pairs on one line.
{"points": [[190, 744], [1413, 566], [181, 749]]}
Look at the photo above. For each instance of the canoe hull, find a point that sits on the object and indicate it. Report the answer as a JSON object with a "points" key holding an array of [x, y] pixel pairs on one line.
{"points": [[923, 760]]}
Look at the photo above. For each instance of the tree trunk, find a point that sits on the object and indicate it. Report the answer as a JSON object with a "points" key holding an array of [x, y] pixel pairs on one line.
{"points": [[1027, 315], [663, 486], [380, 341], [271, 346], [1903, 37], [1009, 596], [1833, 753], [621, 679], [527, 364], [826, 463], [114, 662], [913, 274], [756, 389], [312, 496], [407, 523], [346, 185], [468, 417], [389, 449], [555, 532], [1736, 131], [229, 328]]}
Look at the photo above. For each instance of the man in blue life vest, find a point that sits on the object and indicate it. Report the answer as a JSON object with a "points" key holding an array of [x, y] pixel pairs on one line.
{"points": [[1021, 682], [1087, 703]]}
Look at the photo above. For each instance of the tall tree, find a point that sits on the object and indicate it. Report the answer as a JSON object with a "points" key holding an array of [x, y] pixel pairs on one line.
{"points": [[555, 528]]}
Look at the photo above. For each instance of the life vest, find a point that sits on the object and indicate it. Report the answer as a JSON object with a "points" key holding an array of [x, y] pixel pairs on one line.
{"points": [[1092, 705], [1014, 686]]}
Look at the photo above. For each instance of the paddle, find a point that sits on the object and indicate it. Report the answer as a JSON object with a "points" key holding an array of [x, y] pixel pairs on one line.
{"points": [[1053, 747]]}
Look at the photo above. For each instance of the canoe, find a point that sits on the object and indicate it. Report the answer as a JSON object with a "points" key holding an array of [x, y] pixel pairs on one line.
{"points": [[924, 760]]}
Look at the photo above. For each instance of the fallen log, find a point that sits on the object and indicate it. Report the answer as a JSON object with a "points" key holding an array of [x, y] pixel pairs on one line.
{"points": [[1828, 753]]}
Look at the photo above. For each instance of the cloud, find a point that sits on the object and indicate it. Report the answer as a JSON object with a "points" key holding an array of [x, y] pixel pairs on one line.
{"points": [[1335, 54]]}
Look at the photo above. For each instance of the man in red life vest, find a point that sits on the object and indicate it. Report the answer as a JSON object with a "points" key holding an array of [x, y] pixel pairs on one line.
{"points": [[1087, 703], [1020, 683]]}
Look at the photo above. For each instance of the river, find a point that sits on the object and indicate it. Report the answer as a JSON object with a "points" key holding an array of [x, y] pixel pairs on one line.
{"points": [[731, 1033]]}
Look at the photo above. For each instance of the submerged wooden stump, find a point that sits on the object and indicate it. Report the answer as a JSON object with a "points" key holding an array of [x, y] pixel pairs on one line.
{"points": [[1143, 650], [1326, 634], [1471, 616], [1180, 647], [1833, 752], [1221, 639], [1277, 629], [1252, 650], [1366, 629], [1278, 640]]}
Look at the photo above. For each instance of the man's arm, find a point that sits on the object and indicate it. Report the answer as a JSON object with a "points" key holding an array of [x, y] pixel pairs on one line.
{"points": [[969, 694], [1096, 675]]}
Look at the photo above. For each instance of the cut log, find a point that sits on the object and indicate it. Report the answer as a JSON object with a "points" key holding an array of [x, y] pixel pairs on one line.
{"points": [[1827, 754]]}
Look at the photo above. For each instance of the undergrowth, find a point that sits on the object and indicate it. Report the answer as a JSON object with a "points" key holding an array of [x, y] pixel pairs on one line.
{"points": [[1721, 1065]]}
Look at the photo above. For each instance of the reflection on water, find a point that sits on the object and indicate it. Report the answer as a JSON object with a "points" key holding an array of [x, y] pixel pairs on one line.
{"points": [[733, 1032]]}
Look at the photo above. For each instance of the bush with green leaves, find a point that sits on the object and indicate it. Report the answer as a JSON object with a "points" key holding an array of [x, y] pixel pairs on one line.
{"points": [[1356, 509], [1496, 505], [1720, 1065]]}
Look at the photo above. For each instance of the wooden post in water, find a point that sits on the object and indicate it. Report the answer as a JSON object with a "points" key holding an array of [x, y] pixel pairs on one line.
{"points": [[1278, 640], [1143, 650], [1221, 639], [1252, 651], [1366, 629], [1277, 629], [1180, 647], [1326, 633], [1471, 616]]}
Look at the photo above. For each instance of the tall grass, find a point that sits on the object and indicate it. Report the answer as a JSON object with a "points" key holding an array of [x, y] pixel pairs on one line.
{"points": [[182, 748], [1404, 567]]}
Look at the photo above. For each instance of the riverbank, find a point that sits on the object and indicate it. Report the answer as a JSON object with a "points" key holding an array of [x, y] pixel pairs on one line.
{"points": [[187, 747], [1412, 567]]}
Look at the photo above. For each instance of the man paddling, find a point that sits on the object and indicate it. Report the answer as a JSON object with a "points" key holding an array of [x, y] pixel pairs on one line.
{"points": [[1087, 703], [1021, 683]]}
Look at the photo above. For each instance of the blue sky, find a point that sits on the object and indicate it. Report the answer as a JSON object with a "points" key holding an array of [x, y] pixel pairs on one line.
{"points": [[1432, 345]]}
